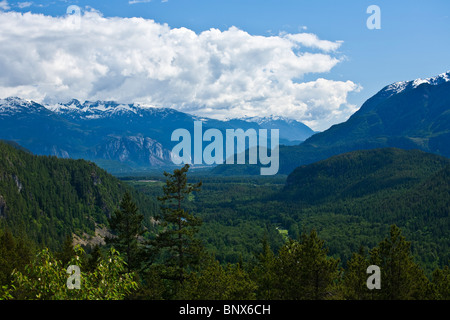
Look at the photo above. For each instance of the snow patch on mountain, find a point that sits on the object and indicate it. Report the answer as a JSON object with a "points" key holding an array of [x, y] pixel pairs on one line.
{"points": [[13, 103], [263, 120], [398, 87], [103, 109]]}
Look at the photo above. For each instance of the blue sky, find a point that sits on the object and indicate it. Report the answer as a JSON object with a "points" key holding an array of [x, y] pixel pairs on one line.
{"points": [[413, 41]]}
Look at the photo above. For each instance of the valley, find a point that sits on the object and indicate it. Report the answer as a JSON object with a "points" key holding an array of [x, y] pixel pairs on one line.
{"points": [[350, 200], [343, 198]]}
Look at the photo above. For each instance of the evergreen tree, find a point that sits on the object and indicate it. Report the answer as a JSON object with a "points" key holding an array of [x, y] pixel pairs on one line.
{"points": [[217, 282], [264, 272], [67, 252], [176, 242], [355, 278], [441, 283], [304, 270], [401, 277], [15, 253], [127, 227]]}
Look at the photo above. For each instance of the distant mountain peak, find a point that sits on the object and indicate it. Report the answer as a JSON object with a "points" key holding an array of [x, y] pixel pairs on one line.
{"points": [[401, 86], [12, 101], [261, 120], [12, 105], [99, 108]]}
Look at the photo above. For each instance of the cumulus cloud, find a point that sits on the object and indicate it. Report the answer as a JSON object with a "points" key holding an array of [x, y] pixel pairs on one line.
{"points": [[219, 74]]}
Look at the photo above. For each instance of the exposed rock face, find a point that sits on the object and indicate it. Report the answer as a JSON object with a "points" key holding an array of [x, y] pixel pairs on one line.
{"points": [[88, 240], [18, 183], [141, 150]]}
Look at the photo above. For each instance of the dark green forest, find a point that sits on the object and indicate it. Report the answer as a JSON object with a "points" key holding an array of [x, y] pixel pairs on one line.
{"points": [[45, 199], [350, 199], [181, 235]]}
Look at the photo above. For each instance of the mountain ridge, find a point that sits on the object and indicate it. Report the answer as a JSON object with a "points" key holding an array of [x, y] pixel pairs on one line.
{"points": [[411, 114], [356, 173], [414, 118], [126, 136]]}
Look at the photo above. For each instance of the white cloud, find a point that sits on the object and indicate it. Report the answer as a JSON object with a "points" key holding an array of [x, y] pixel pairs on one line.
{"points": [[138, 1], [4, 5], [221, 74], [22, 5], [311, 40]]}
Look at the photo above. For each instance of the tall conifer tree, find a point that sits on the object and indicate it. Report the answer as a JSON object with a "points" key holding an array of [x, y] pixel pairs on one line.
{"points": [[177, 243], [127, 227]]}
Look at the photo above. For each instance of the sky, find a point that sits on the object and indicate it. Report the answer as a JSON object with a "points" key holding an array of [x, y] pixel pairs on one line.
{"points": [[313, 61]]}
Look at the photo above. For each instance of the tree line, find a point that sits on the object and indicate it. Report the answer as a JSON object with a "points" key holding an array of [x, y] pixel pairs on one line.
{"points": [[172, 263]]}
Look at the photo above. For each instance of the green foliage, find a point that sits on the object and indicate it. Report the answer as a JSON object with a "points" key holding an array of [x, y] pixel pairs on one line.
{"points": [[359, 173], [217, 282], [351, 200], [402, 277], [67, 251], [354, 283], [264, 273], [46, 279], [15, 253], [405, 188], [234, 216], [304, 271], [127, 226], [441, 283], [301, 269]]}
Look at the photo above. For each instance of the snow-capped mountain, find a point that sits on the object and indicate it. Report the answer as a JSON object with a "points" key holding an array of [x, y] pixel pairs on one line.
{"points": [[401, 86], [288, 127], [408, 115], [103, 109], [13, 105], [262, 120], [115, 135]]}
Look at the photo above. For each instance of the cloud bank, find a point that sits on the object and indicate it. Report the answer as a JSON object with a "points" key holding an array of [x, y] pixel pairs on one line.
{"points": [[218, 74]]}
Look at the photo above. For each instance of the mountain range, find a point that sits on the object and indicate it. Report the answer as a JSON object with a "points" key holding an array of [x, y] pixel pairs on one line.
{"points": [[128, 137], [408, 115], [351, 181], [119, 137]]}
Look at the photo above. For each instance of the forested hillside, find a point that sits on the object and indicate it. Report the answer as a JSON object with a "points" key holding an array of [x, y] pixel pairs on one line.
{"points": [[46, 199], [359, 173], [357, 195]]}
